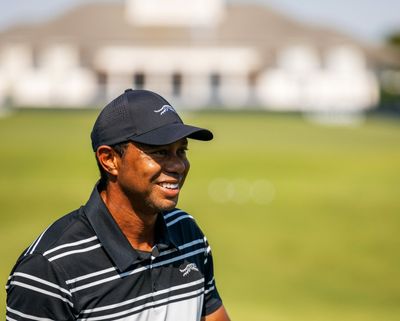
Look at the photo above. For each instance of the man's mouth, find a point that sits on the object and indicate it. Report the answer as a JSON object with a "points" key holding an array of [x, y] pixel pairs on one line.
{"points": [[171, 186]]}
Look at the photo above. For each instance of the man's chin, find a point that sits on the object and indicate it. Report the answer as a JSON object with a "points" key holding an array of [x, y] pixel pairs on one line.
{"points": [[167, 205]]}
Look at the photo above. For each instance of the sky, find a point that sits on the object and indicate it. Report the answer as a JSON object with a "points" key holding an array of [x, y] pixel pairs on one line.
{"points": [[367, 20]]}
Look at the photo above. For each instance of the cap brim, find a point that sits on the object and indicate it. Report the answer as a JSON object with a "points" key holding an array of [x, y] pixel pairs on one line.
{"points": [[171, 133]]}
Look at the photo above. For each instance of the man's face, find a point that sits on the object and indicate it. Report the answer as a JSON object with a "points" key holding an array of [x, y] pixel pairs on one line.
{"points": [[152, 176]]}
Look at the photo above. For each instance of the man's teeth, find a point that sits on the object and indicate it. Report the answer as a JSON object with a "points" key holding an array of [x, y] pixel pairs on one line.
{"points": [[170, 186]]}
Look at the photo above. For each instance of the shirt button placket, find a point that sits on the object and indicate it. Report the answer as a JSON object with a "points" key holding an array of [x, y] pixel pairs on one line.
{"points": [[154, 254]]}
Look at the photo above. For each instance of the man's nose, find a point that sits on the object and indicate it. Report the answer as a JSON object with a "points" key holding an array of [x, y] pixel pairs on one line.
{"points": [[176, 164]]}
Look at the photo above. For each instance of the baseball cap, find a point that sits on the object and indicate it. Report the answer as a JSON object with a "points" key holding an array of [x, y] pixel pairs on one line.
{"points": [[142, 116]]}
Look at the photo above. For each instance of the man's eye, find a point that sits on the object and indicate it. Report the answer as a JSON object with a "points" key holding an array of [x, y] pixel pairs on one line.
{"points": [[182, 151], [159, 152]]}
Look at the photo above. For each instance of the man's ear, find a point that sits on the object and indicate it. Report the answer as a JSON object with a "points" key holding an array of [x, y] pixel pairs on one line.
{"points": [[108, 159]]}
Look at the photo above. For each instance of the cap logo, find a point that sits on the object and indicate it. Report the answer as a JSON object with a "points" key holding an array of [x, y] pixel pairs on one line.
{"points": [[164, 109]]}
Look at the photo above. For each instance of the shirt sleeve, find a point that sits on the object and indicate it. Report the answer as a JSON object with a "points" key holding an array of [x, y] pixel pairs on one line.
{"points": [[36, 290], [212, 300]]}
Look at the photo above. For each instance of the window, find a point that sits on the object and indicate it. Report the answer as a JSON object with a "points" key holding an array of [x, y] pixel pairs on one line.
{"points": [[139, 80], [176, 84], [101, 78], [215, 82]]}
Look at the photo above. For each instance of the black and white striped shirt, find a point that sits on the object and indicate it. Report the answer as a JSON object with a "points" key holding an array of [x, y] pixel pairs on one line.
{"points": [[83, 268]]}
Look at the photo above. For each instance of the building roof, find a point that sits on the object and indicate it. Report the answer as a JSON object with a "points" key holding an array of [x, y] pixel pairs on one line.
{"points": [[97, 24]]}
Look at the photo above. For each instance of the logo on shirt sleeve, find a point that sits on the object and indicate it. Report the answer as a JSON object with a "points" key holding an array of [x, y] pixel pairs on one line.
{"points": [[189, 268]]}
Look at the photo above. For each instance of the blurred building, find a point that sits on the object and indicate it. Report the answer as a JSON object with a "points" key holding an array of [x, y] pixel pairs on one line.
{"points": [[196, 53]]}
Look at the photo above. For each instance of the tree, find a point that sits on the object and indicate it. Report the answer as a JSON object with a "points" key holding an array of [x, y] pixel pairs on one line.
{"points": [[393, 39]]}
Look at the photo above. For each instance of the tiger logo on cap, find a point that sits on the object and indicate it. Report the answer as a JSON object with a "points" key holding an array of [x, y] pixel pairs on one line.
{"points": [[164, 109]]}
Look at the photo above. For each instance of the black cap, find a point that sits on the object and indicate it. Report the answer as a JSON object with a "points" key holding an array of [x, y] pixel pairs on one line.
{"points": [[142, 116]]}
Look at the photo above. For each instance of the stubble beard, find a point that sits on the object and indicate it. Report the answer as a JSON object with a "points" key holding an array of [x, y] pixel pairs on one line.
{"points": [[161, 205]]}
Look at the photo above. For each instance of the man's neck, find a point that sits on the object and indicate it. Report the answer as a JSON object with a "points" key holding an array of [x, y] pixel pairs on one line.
{"points": [[137, 227]]}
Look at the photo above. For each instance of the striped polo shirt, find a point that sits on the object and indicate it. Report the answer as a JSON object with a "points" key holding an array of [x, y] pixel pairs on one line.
{"points": [[83, 268]]}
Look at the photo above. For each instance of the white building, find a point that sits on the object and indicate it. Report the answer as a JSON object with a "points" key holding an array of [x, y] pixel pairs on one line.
{"points": [[196, 53]]}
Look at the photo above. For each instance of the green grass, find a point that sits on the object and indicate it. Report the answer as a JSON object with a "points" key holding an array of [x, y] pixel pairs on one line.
{"points": [[325, 247]]}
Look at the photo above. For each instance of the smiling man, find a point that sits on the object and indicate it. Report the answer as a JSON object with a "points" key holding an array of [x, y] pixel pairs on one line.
{"points": [[129, 253]]}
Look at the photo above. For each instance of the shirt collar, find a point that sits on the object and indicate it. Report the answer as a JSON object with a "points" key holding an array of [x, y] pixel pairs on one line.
{"points": [[113, 240]]}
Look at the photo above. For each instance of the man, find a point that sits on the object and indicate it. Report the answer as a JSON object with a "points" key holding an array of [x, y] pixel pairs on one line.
{"points": [[128, 254]]}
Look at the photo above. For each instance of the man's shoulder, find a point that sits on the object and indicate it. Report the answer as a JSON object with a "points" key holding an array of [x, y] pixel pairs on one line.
{"points": [[69, 228]]}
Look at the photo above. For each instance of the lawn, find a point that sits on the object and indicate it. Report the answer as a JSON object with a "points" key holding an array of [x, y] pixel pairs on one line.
{"points": [[303, 219]]}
